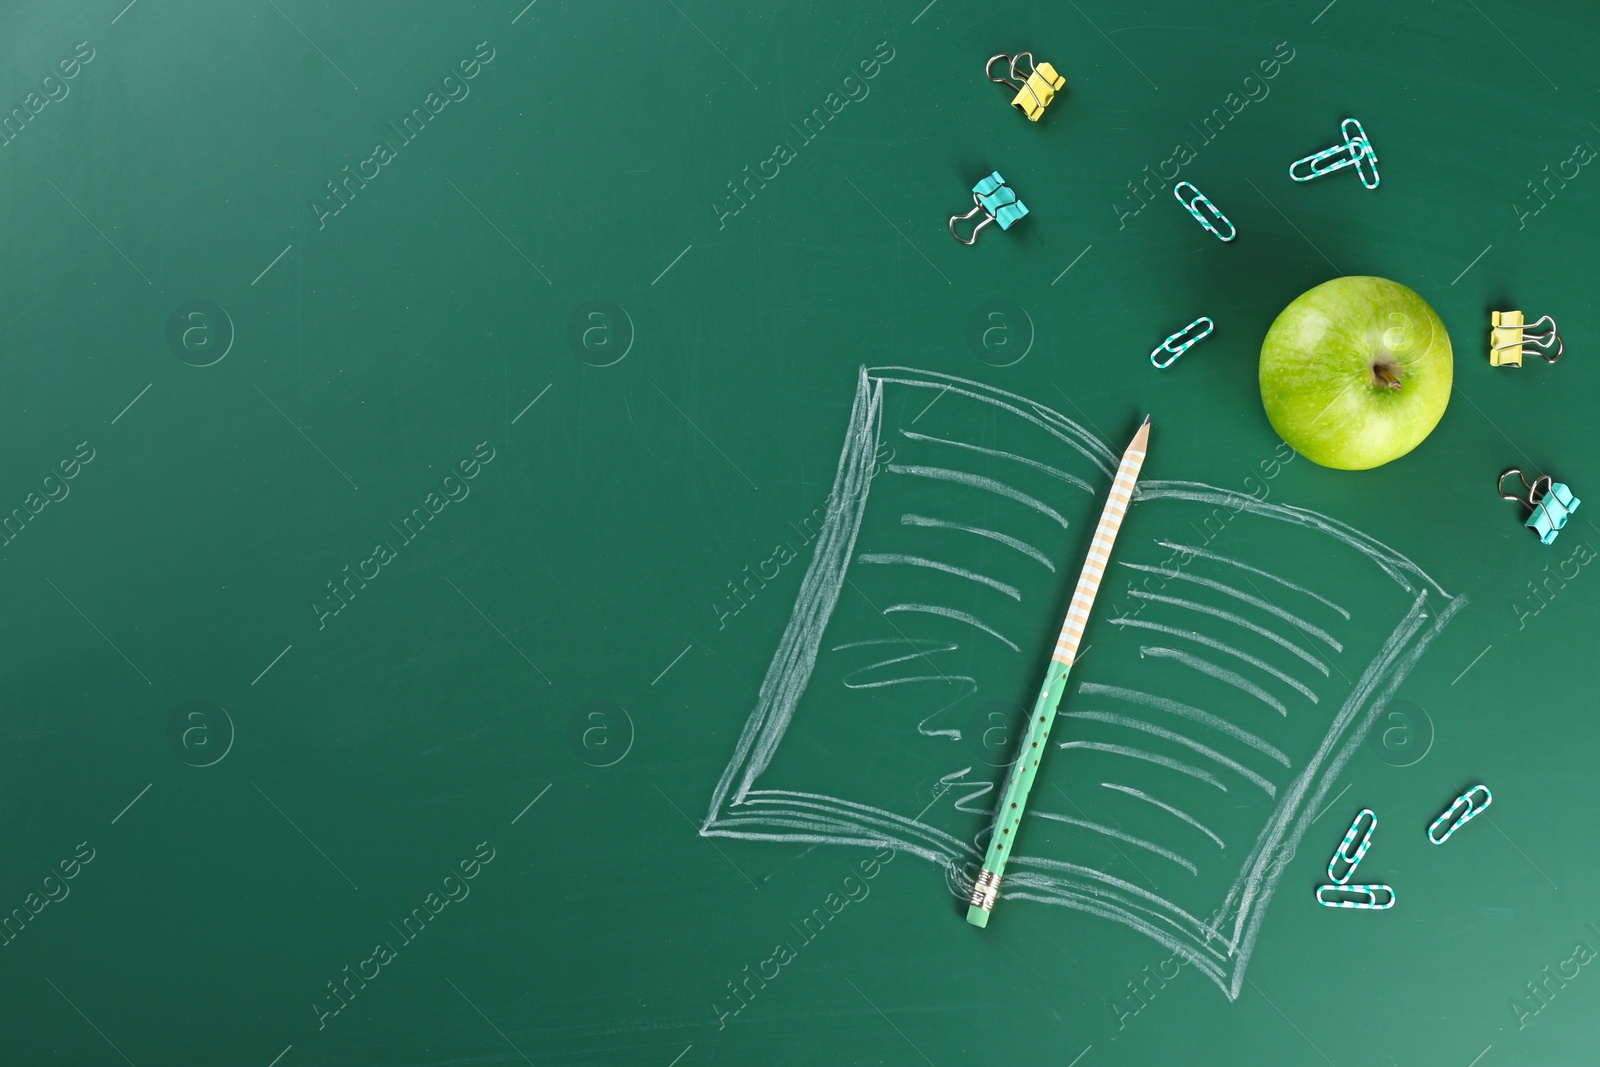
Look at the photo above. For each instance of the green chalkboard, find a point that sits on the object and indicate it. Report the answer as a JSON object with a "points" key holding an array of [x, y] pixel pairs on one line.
{"points": [[525, 540]]}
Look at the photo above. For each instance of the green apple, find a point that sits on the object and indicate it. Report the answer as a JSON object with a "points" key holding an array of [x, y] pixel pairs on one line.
{"points": [[1356, 372]]}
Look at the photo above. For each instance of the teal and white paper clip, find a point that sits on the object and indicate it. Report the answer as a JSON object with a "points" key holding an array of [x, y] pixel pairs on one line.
{"points": [[1365, 158], [1182, 341], [1461, 812], [1344, 856], [996, 202], [1364, 897], [1550, 503], [1201, 207], [1356, 151]]}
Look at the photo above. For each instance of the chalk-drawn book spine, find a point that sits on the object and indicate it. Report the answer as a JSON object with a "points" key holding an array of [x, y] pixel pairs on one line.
{"points": [[1224, 696]]}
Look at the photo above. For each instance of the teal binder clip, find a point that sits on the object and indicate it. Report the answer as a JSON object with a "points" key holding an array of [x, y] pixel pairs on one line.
{"points": [[1356, 151], [1549, 503], [1204, 211], [996, 202]]}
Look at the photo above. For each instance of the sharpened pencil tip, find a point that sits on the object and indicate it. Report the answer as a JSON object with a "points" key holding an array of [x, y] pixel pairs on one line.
{"points": [[1141, 436]]}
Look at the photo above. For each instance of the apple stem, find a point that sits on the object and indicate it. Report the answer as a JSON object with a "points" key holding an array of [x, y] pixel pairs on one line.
{"points": [[1387, 374]]}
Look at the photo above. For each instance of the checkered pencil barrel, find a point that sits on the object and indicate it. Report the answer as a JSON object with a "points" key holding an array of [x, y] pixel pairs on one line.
{"points": [[986, 890]]}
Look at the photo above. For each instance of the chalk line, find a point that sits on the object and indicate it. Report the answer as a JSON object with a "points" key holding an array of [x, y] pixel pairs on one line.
{"points": [[1136, 842], [893, 558], [1221, 674], [1172, 707], [1129, 723], [1026, 549], [1148, 757], [1070, 479], [1185, 816], [978, 481], [1254, 601], [1203, 554], [959, 616], [1211, 642], [1237, 620]]}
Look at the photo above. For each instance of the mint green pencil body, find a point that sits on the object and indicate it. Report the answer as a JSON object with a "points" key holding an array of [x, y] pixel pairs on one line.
{"points": [[986, 890]]}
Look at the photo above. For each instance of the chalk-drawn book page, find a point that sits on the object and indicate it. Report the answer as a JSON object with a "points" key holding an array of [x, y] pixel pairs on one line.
{"points": [[1240, 650]]}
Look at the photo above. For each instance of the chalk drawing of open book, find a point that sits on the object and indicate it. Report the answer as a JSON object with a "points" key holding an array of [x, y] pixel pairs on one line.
{"points": [[1241, 650]]}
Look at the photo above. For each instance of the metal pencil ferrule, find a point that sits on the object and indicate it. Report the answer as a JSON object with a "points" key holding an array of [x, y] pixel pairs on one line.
{"points": [[986, 890]]}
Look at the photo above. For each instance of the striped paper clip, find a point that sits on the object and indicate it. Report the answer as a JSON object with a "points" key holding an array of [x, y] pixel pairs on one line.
{"points": [[1182, 341], [1362, 154], [1364, 897], [1344, 856], [1461, 812], [1356, 151], [1201, 207]]}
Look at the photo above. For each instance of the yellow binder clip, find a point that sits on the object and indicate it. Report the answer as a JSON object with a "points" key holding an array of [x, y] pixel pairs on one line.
{"points": [[1035, 86], [1508, 333]]}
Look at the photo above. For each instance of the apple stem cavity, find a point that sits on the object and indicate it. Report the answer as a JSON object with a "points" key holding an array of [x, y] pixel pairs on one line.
{"points": [[1386, 375]]}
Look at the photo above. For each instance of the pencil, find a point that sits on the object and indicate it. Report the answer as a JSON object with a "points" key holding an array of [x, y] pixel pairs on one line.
{"points": [[987, 888]]}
